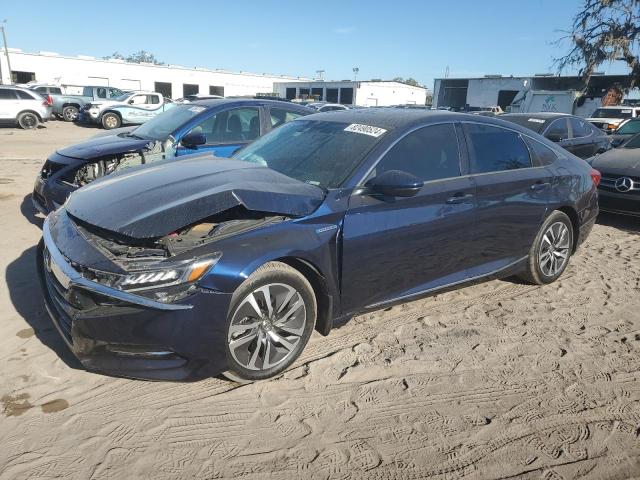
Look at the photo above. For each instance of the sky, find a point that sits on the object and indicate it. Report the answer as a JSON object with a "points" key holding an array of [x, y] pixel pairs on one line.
{"points": [[384, 39]]}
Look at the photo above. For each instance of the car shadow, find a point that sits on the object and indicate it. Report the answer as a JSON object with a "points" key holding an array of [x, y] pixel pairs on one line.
{"points": [[30, 213], [26, 296], [625, 223]]}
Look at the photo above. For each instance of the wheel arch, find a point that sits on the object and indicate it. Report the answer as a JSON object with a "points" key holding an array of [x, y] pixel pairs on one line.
{"points": [[314, 276], [29, 111], [575, 223], [71, 104]]}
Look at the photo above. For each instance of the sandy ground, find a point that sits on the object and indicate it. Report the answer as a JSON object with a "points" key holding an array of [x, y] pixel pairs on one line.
{"points": [[500, 380]]}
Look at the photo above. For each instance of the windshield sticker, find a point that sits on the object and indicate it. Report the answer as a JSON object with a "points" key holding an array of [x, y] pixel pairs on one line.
{"points": [[626, 111], [365, 130], [197, 109], [536, 120]]}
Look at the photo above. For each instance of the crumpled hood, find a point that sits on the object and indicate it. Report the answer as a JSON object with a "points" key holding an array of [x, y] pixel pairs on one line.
{"points": [[619, 161], [104, 145], [155, 200]]}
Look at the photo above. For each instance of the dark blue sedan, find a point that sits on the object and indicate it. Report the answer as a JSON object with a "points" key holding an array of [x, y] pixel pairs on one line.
{"points": [[217, 126], [200, 267]]}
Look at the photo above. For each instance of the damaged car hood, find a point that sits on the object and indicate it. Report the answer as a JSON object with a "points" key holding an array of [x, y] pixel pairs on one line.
{"points": [[105, 145], [153, 201]]}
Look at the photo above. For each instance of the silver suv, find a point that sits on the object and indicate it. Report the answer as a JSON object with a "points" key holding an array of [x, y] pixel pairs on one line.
{"points": [[23, 107]]}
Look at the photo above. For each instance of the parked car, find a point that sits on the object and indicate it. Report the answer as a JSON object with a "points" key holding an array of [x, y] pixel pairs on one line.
{"points": [[23, 107], [199, 267], [67, 107], [217, 126], [572, 133], [609, 118], [326, 107], [625, 131], [131, 108], [619, 190], [197, 97], [45, 90]]}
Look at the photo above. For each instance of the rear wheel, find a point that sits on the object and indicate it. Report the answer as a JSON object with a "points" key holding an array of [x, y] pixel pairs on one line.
{"points": [[271, 318], [551, 250], [111, 121], [28, 120], [70, 113]]}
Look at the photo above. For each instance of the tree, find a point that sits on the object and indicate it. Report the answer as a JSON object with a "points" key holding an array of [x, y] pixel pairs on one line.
{"points": [[604, 31], [409, 81], [141, 56]]}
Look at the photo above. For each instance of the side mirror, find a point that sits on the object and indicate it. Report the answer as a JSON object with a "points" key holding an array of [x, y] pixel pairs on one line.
{"points": [[395, 183], [130, 102], [193, 139]]}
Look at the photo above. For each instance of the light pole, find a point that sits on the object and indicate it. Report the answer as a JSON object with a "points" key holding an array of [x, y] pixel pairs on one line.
{"points": [[6, 51], [355, 73], [320, 74]]}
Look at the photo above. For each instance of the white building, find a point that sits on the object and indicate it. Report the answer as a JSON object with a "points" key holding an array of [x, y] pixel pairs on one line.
{"points": [[362, 93], [173, 81]]}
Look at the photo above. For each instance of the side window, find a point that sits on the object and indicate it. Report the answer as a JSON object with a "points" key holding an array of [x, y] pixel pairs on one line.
{"points": [[541, 155], [231, 126], [580, 128], [153, 99], [430, 153], [496, 149], [280, 116], [557, 130], [101, 92], [24, 95], [41, 89], [114, 92], [138, 100], [7, 94], [55, 91]]}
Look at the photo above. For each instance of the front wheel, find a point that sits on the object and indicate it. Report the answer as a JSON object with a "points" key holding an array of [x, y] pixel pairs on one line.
{"points": [[551, 250], [28, 120], [111, 121], [271, 318]]}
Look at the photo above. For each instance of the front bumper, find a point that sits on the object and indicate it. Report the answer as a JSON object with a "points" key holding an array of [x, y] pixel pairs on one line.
{"points": [[615, 201], [125, 334], [85, 116]]}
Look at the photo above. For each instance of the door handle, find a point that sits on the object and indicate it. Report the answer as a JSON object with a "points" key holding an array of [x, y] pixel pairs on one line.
{"points": [[459, 197], [539, 186]]}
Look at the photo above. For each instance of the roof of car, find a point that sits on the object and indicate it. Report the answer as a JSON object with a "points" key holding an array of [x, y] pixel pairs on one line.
{"points": [[540, 115], [213, 102], [398, 118]]}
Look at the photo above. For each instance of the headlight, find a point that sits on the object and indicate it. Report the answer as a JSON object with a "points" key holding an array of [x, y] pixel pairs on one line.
{"points": [[183, 273]]}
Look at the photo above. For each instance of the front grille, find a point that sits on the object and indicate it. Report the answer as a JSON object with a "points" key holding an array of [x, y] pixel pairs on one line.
{"points": [[57, 296], [50, 168], [608, 183]]}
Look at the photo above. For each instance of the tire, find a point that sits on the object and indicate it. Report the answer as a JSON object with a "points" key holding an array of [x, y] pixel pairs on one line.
{"points": [[69, 113], [260, 347], [111, 121], [546, 261], [28, 120]]}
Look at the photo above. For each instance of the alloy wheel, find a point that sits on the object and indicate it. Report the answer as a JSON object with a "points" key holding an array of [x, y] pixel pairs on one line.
{"points": [[554, 249], [267, 326], [29, 121]]}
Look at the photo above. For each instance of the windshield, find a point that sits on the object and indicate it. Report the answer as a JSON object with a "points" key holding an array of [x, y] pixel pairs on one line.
{"points": [[318, 153], [631, 127], [163, 125], [612, 113]]}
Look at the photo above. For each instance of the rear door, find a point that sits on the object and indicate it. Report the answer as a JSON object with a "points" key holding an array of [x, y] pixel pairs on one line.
{"points": [[397, 247], [512, 196], [8, 104], [584, 143], [227, 131]]}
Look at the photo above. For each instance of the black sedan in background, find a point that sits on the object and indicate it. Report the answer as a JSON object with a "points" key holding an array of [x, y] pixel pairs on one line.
{"points": [[619, 190], [572, 133]]}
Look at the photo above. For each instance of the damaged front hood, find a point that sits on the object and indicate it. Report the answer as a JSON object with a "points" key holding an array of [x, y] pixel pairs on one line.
{"points": [[156, 200], [105, 145]]}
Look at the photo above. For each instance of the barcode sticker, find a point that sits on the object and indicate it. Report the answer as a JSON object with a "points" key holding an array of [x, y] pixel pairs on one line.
{"points": [[365, 130]]}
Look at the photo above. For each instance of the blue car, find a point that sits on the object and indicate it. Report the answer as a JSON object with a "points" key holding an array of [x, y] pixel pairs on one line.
{"points": [[217, 126], [201, 267]]}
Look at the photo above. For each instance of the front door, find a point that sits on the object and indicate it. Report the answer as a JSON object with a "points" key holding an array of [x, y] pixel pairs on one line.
{"points": [[226, 131], [512, 196], [398, 247]]}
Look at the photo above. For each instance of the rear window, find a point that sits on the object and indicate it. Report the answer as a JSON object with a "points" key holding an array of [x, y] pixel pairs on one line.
{"points": [[532, 123], [24, 95], [541, 155], [496, 149]]}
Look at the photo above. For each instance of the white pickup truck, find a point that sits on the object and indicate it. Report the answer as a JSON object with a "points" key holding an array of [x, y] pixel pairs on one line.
{"points": [[609, 118], [142, 101]]}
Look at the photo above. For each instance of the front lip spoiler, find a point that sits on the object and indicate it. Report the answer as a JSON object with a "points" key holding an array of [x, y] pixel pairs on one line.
{"points": [[75, 279]]}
